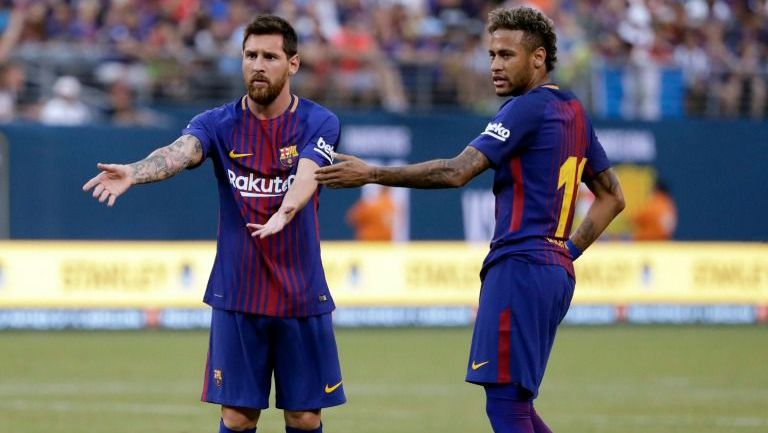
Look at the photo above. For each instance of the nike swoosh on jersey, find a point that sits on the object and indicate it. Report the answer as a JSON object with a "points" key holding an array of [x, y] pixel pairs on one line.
{"points": [[330, 389], [234, 155], [476, 365]]}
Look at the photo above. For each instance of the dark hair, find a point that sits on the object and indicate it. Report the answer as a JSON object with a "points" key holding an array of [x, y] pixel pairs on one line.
{"points": [[538, 29], [273, 25]]}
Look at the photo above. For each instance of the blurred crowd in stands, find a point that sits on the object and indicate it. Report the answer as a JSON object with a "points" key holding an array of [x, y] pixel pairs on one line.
{"points": [[76, 61]]}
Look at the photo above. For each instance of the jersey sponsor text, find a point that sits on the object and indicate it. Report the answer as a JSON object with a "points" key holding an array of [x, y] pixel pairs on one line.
{"points": [[497, 131], [253, 186]]}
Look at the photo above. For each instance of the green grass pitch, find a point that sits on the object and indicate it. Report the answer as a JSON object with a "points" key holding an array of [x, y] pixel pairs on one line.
{"points": [[601, 380]]}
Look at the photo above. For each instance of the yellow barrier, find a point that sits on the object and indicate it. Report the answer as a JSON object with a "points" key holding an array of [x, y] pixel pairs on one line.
{"points": [[174, 274]]}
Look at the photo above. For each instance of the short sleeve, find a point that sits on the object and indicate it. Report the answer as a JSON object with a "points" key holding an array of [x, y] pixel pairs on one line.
{"points": [[323, 143], [597, 160], [506, 132], [201, 127]]}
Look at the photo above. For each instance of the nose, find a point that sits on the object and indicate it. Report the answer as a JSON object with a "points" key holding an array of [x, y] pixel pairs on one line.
{"points": [[496, 64], [258, 63]]}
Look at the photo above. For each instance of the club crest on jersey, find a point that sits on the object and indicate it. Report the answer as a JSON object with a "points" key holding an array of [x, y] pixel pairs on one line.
{"points": [[218, 378], [497, 131], [288, 155]]}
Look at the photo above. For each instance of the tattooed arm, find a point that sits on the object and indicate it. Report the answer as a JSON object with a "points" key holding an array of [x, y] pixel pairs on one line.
{"points": [[168, 161], [165, 162], [609, 202], [437, 173]]}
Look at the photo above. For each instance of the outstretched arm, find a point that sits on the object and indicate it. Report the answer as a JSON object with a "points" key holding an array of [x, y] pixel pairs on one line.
{"points": [[301, 190], [165, 162], [437, 173], [609, 202]]}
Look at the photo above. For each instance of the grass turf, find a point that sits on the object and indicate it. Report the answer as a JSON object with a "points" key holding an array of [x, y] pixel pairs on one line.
{"points": [[600, 380]]}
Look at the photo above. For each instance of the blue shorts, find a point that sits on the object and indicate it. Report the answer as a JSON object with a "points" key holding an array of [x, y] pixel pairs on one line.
{"points": [[245, 349], [521, 305]]}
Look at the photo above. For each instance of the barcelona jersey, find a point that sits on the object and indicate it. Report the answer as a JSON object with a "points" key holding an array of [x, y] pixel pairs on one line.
{"points": [[541, 146], [255, 162]]}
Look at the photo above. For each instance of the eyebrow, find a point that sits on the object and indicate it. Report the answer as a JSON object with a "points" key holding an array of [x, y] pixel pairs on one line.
{"points": [[252, 52], [502, 51]]}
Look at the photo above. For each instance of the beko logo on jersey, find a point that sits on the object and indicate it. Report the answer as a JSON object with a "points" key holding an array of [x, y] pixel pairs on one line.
{"points": [[252, 186], [324, 149], [497, 131]]}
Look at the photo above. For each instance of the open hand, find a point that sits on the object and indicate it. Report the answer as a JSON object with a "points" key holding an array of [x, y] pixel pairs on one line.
{"points": [[349, 173], [276, 223], [112, 182]]}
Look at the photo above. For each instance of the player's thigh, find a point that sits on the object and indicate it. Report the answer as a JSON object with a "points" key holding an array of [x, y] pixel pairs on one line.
{"points": [[521, 305], [531, 292], [239, 369], [307, 370]]}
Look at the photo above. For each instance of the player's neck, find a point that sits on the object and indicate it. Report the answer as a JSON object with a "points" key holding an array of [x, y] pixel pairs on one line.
{"points": [[274, 109], [538, 81]]}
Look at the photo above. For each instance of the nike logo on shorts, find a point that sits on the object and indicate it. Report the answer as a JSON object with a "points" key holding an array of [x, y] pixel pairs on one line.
{"points": [[329, 389]]}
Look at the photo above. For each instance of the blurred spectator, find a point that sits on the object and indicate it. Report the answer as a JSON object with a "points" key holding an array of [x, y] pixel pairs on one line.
{"points": [[373, 217], [656, 219], [641, 81], [65, 108], [692, 59], [397, 54], [122, 110], [13, 26], [363, 74], [744, 91], [12, 81]]}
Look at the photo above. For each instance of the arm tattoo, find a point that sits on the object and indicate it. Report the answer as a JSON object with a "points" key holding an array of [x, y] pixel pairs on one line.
{"points": [[438, 173], [608, 181], [168, 161], [609, 201], [585, 233]]}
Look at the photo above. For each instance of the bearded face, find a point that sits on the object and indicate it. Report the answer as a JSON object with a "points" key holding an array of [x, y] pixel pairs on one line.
{"points": [[264, 91], [266, 68]]}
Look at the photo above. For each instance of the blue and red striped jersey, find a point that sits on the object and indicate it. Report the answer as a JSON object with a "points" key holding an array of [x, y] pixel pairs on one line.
{"points": [[255, 162], [541, 146]]}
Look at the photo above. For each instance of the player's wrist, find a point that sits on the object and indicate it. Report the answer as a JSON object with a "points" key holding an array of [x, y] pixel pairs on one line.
{"points": [[573, 250]]}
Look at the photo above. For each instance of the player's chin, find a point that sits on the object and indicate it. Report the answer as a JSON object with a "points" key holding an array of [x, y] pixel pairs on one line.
{"points": [[503, 91]]}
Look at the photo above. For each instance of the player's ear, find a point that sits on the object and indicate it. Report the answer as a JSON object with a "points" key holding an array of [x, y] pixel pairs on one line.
{"points": [[293, 64], [539, 57]]}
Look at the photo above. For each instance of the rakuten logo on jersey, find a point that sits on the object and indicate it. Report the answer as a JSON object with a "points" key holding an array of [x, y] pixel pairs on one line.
{"points": [[252, 186], [497, 131], [324, 149]]}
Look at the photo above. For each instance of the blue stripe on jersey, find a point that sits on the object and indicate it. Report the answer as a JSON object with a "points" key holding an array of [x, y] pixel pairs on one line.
{"points": [[254, 162]]}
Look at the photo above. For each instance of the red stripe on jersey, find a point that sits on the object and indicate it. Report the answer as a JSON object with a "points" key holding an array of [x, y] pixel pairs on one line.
{"points": [[206, 379], [578, 149], [285, 293], [505, 329], [275, 290], [315, 204], [570, 147], [253, 259], [242, 290], [291, 232], [300, 277], [259, 287], [518, 200]]}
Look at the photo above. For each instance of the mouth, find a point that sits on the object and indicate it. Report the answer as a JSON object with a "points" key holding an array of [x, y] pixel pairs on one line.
{"points": [[260, 82], [499, 81]]}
